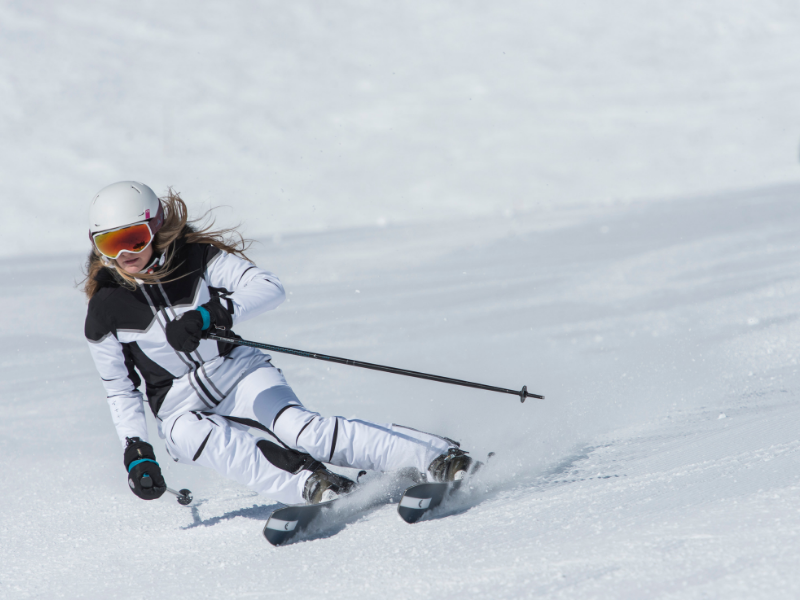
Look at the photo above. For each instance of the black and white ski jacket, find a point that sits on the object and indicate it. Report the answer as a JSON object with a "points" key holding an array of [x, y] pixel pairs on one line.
{"points": [[125, 331]]}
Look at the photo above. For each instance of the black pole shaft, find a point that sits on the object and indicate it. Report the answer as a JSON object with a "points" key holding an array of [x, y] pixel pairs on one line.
{"points": [[522, 394]]}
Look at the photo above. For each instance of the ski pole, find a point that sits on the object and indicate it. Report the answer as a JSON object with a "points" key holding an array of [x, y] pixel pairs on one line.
{"points": [[184, 496], [522, 394]]}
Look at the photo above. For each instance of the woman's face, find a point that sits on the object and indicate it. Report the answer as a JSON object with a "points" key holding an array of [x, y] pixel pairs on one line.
{"points": [[134, 263]]}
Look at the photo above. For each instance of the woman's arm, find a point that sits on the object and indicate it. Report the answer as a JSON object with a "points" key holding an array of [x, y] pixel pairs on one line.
{"points": [[115, 365], [244, 289]]}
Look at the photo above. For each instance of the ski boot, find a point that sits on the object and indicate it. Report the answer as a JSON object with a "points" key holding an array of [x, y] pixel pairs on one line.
{"points": [[453, 465], [325, 485]]}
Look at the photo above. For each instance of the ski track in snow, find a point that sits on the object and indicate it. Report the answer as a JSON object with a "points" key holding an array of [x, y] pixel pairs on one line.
{"points": [[664, 463]]}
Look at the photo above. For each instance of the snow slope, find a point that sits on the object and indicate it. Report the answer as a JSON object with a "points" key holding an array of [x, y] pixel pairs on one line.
{"points": [[313, 115], [664, 463]]}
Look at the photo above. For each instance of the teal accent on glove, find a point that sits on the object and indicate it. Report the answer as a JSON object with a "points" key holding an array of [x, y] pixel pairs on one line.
{"points": [[206, 317], [136, 462]]}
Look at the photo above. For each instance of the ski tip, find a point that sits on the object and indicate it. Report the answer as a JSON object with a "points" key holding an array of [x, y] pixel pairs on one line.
{"points": [[420, 499]]}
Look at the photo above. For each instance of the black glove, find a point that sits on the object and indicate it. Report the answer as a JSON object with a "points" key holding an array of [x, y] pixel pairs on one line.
{"points": [[144, 474], [185, 332]]}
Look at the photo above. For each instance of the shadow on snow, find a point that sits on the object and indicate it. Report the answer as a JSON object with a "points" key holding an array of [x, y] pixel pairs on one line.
{"points": [[258, 513]]}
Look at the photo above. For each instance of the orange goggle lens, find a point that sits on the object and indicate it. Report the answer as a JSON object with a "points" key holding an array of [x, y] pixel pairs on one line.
{"points": [[130, 239]]}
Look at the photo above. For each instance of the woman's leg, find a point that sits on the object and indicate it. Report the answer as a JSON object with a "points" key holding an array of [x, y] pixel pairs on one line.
{"points": [[264, 398], [356, 443], [214, 442]]}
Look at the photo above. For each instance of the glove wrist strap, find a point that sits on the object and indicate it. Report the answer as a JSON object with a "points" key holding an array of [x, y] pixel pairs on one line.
{"points": [[206, 317], [140, 461]]}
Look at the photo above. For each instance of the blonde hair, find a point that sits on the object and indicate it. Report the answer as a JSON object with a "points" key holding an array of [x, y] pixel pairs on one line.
{"points": [[176, 225]]}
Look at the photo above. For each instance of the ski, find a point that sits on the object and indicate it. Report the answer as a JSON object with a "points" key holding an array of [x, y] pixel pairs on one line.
{"points": [[288, 523], [420, 499], [285, 523]]}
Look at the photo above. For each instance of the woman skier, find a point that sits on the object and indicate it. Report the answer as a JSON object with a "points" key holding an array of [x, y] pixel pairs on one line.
{"points": [[156, 287]]}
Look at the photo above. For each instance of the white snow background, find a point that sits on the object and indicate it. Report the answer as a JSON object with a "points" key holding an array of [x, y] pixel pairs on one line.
{"points": [[599, 200]]}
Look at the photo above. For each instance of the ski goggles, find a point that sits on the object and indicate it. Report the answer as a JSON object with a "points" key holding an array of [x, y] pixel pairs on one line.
{"points": [[130, 238]]}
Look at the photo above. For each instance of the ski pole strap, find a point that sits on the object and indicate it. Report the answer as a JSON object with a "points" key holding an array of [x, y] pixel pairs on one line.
{"points": [[140, 461]]}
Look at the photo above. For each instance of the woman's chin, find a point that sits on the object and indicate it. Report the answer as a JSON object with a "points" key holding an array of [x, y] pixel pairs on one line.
{"points": [[131, 268]]}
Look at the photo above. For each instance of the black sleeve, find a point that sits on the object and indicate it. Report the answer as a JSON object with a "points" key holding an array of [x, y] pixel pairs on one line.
{"points": [[96, 326]]}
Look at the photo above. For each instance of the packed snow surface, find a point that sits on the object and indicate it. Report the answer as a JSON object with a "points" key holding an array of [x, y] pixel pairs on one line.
{"points": [[449, 187], [664, 462]]}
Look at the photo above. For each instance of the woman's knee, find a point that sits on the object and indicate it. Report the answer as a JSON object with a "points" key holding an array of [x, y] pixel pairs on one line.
{"points": [[272, 402]]}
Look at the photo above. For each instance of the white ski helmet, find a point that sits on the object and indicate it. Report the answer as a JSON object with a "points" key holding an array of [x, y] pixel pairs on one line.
{"points": [[125, 203]]}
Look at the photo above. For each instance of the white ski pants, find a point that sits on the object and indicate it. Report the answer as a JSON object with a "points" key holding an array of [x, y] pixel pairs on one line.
{"points": [[219, 438]]}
